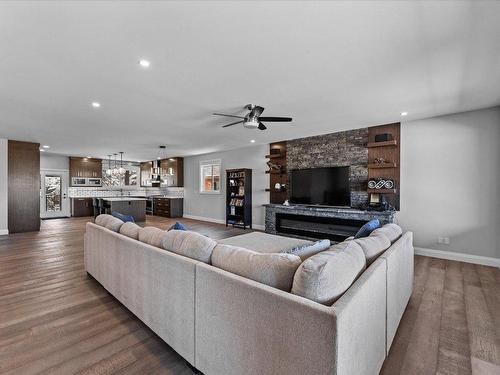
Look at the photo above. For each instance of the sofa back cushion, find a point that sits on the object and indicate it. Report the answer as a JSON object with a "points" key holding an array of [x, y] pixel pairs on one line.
{"points": [[189, 244], [373, 245], [391, 231], [324, 277], [151, 235], [273, 269], [109, 222], [308, 250], [131, 230]]}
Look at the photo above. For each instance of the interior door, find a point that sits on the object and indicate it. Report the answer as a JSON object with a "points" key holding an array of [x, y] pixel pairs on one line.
{"points": [[54, 200]]}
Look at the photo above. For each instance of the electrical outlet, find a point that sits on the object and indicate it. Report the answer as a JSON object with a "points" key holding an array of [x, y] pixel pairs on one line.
{"points": [[444, 240]]}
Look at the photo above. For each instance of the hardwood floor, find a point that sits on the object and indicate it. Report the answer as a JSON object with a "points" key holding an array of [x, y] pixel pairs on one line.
{"points": [[54, 319]]}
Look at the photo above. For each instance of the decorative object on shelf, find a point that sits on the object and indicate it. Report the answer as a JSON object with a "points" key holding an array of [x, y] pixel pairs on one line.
{"points": [[380, 183], [384, 137], [275, 167], [239, 197], [275, 151], [286, 203], [253, 120], [380, 161]]}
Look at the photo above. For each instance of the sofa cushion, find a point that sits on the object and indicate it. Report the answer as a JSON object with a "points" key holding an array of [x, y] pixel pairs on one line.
{"points": [[324, 277], [109, 222], [178, 226], [131, 230], [122, 217], [190, 244], [366, 229], [273, 269], [391, 231], [373, 245], [151, 236], [308, 250], [264, 242]]}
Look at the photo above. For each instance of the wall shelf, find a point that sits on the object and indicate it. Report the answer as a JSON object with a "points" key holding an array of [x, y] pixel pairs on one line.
{"points": [[382, 191], [275, 172], [275, 156], [392, 143], [383, 165]]}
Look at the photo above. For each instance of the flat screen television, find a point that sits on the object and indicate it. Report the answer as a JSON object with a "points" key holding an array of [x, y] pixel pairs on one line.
{"points": [[321, 186]]}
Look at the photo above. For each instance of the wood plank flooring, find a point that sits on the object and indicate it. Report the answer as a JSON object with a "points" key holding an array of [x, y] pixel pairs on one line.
{"points": [[54, 319]]}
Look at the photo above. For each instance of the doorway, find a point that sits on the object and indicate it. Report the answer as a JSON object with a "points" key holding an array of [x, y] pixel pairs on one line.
{"points": [[54, 200]]}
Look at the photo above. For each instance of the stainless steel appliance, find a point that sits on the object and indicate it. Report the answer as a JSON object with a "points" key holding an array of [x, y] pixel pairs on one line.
{"points": [[78, 181], [94, 182], [149, 206], [82, 181]]}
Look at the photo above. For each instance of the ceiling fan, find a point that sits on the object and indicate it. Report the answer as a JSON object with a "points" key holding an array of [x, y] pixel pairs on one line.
{"points": [[253, 120]]}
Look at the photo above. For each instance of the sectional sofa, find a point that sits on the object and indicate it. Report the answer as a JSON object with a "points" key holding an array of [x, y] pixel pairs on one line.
{"points": [[249, 305]]}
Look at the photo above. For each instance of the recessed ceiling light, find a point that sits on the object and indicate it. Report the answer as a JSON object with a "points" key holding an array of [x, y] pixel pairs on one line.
{"points": [[89, 157], [252, 141], [42, 150], [96, 104], [45, 146], [144, 63], [404, 113], [158, 158]]}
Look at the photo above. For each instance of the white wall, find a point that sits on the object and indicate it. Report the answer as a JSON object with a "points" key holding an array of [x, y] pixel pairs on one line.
{"points": [[450, 182], [212, 206], [3, 186], [48, 161]]}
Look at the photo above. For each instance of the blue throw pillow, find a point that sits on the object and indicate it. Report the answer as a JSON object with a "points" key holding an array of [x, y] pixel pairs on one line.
{"points": [[366, 229], [308, 250], [122, 217], [178, 226]]}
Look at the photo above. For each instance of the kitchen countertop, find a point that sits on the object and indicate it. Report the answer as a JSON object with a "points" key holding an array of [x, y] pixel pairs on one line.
{"points": [[123, 199]]}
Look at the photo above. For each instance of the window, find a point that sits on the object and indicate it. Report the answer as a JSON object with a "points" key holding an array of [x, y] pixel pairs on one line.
{"points": [[210, 177]]}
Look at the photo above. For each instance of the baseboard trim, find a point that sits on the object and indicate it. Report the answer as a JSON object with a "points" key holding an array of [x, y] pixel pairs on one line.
{"points": [[460, 257], [203, 218], [219, 221], [4, 232]]}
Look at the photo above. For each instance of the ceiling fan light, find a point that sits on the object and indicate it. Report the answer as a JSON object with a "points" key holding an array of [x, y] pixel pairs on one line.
{"points": [[251, 122]]}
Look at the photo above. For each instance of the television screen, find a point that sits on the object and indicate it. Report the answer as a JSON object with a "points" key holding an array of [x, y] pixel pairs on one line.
{"points": [[321, 186]]}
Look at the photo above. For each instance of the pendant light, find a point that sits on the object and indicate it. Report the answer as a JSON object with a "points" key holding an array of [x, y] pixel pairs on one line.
{"points": [[121, 171], [109, 172], [115, 170]]}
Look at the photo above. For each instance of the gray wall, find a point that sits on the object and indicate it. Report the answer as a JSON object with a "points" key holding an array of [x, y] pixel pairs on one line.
{"points": [[48, 161], [3, 186], [450, 181], [212, 206]]}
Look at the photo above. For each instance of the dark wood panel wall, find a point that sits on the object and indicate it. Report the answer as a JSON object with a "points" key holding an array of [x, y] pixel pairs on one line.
{"points": [[24, 186]]}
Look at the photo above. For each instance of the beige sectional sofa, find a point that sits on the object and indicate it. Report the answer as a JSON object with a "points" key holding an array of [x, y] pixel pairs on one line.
{"points": [[224, 323]]}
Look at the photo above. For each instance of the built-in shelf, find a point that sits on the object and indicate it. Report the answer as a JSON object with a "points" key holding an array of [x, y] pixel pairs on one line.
{"points": [[382, 191], [275, 156], [275, 172], [383, 144], [383, 165]]}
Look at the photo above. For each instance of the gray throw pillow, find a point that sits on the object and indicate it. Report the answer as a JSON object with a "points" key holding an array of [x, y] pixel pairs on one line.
{"points": [[308, 250]]}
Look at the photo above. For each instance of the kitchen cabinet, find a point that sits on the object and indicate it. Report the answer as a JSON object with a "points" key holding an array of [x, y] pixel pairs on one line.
{"points": [[81, 207], [171, 171], [146, 173], [85, 167], [168, 207]]}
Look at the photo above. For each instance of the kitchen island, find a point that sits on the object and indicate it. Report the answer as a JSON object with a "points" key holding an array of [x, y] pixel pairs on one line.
{"points": [[135, 207]]}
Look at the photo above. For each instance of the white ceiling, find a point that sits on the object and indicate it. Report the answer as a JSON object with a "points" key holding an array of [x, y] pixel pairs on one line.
{"points": [[329, 65]]}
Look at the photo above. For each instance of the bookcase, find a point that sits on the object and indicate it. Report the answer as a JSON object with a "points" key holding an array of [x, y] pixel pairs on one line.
{"points": [[239, 198]]}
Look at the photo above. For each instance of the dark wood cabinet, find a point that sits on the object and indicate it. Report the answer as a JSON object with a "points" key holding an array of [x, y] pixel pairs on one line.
{"points": [[85, 167], [171, 171], [168, 207], [24, 187], [81, 207]]}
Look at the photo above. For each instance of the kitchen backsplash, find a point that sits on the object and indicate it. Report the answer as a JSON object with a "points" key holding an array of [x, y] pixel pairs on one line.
{"points": [[87, 192]]}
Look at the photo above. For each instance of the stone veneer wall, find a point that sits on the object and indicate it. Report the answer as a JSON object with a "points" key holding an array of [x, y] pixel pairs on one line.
{"points": [[347, 148]]}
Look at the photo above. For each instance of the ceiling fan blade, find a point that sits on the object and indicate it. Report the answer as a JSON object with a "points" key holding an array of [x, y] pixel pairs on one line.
{"points": [[233, 123], [257, 111], [276, 119], [222, 114], [262, 126]]}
